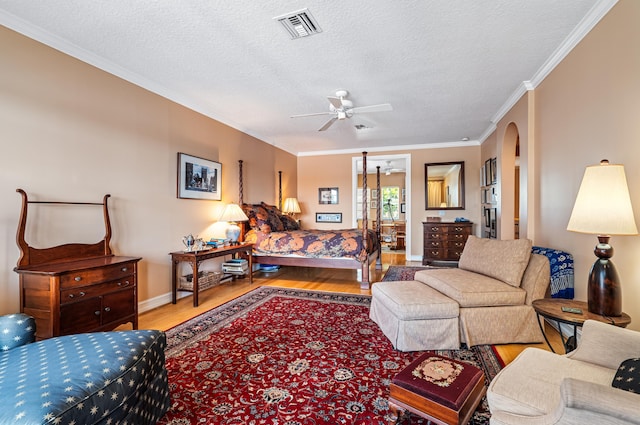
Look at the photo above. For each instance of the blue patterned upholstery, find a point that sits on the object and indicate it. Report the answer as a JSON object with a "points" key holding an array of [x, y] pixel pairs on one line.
{"points": [[93, 378], [561, 263], [15, 330]]}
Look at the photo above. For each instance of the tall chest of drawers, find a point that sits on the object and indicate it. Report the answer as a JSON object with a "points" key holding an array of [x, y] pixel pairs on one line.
{"points": [[444, 241]]}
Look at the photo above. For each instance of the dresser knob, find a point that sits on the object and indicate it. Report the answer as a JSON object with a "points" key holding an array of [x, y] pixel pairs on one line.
{"points": [[126, 283], [124, 269], [77, 278], [107, 309], [97, 313]]}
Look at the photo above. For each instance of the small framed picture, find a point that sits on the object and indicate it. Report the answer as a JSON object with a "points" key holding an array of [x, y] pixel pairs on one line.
{"points": [[374, 204], [328, 217], [487, 172], [403, 208], [328, 195], [199, 178], [494, 170], [374, 194]]}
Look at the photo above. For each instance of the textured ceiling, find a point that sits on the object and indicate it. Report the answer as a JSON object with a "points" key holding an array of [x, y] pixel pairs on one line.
{"points": [[448, 67]]}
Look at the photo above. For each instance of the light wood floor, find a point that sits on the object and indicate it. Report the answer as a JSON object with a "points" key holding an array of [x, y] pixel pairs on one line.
{"points": [[332, 280]]}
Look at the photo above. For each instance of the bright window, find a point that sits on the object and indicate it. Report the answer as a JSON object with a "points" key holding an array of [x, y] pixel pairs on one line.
{"points": [[390, 203]]}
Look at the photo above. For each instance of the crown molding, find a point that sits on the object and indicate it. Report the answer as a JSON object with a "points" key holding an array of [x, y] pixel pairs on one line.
{"points": [[597, 12], [392, 148]]}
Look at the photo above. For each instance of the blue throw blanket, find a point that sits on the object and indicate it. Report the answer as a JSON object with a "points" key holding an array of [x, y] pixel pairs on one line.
{"points": [[561, 264]]}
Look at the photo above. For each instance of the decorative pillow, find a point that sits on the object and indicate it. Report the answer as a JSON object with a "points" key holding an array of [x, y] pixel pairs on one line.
{"points": [[274, 217], [261, 219], [289, 223], [271, 208], [504, 260], [628, 376]]}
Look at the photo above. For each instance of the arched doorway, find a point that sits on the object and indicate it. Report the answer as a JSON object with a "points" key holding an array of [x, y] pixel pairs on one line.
{"points": [[510, 184]]}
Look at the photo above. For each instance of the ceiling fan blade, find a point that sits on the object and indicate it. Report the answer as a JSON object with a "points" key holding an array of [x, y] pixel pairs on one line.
{"points": [[311, 115], [383, 107], [328, 124], [335, 101]]}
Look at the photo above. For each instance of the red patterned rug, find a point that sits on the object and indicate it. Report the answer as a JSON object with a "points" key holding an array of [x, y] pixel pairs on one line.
{"points": [[290, 357], [402, 272]]}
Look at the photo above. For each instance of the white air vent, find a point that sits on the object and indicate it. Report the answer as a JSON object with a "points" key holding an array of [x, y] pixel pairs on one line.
{"points": [[299, 24]]}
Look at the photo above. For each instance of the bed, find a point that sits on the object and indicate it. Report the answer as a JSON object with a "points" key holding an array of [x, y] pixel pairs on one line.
{"points": [[278, 240]]}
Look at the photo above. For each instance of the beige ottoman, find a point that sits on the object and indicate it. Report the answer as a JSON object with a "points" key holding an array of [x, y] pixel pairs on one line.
{"points": [[414, 316]]}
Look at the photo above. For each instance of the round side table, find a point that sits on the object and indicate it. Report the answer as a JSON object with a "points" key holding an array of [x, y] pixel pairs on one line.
{"points": [[552, 309]]}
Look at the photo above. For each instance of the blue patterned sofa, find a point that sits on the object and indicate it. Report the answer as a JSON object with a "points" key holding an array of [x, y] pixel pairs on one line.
{"points": [[92, 378]]}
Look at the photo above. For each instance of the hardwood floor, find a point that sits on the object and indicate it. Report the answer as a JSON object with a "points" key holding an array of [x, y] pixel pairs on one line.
{"points": [[332, 280]]}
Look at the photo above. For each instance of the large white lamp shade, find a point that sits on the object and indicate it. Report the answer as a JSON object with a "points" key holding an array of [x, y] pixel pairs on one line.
{"points": [[603, 207]]}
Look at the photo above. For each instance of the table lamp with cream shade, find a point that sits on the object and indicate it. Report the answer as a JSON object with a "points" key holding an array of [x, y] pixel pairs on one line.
{"points": [[232, 214], [291, 207], [603, 207]]}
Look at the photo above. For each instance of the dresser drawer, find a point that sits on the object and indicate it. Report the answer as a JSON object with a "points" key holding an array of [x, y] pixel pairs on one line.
{"points": [[434, 228], [464, 230], [435, 236], [80, 293], [453, 254], [457, 245], [433, 244], [90, 276], [434, 254]]}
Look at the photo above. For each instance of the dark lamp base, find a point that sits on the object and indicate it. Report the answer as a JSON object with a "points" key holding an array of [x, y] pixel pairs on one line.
{"points": [[604, 291]]}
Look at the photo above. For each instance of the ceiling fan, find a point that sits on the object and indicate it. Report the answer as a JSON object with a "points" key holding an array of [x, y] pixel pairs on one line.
{"points": [[342, 108], [388, 169]]}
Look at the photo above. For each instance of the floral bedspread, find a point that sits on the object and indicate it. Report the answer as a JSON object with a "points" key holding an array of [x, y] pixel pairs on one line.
{"points": [[344, 243]]}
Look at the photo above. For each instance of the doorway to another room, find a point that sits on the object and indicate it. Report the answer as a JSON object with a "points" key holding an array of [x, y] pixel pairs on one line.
{"points": [[391, 204]]}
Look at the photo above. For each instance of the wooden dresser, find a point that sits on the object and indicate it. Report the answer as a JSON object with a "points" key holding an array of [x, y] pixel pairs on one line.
{"points": [[444, 241], [74, 288]]}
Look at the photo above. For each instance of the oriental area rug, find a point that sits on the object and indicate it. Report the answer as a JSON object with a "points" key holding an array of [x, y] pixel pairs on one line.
{"points": [[291, 357], [395, 273]]}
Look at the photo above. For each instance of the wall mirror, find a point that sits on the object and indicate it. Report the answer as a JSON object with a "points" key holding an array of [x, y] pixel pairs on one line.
{"points": [[444, 185]]}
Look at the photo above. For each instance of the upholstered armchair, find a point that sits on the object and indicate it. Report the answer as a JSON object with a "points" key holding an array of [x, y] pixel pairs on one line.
{"points": [[92, 378], [594, 384]]}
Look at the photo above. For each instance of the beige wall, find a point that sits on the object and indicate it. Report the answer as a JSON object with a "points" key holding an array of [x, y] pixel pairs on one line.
{"points": [[588, 109], [71, 132], [336, 171]]}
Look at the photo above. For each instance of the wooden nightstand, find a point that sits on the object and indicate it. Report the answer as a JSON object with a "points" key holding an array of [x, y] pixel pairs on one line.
{"points": [[551, 308]]}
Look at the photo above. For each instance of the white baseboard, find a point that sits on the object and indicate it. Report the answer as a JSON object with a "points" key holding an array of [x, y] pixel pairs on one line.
{"points": [[567, 330], [159, 301]]}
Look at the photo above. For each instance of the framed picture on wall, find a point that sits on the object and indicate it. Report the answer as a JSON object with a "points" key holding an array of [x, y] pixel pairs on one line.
{"points": [[328, 217], [403, 208], [199, 178], [328, 195], [494, 170], [487, 172]]}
